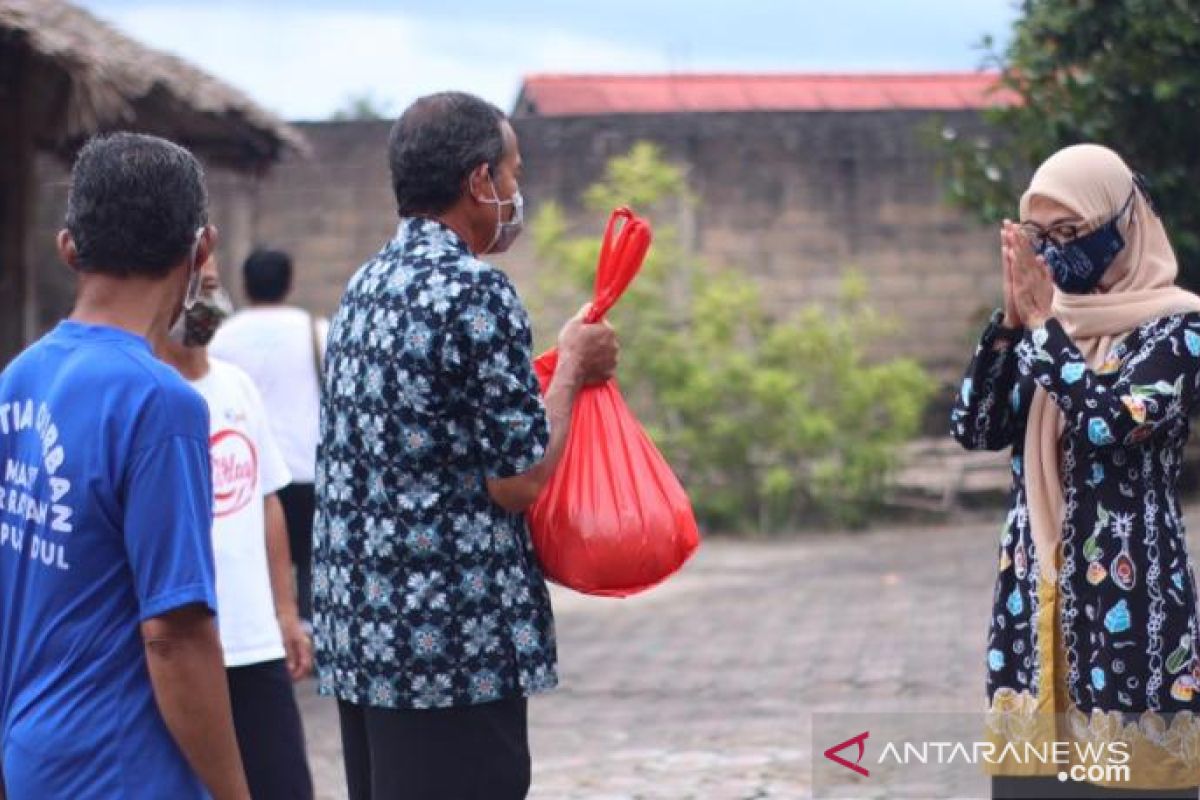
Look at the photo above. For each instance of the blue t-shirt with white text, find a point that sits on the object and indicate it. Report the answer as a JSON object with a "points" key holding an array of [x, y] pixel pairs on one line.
{"points": [[105, 518]]}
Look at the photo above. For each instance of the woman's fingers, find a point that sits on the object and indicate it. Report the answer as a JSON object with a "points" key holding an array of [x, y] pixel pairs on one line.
{"points": [[1047, 273]]}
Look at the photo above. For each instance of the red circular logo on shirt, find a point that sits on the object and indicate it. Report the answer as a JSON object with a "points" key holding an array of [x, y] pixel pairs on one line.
{"points": [[235, 472]]}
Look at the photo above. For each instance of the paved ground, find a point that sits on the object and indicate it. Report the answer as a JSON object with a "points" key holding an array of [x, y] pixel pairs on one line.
{"points": [[705, 688]]}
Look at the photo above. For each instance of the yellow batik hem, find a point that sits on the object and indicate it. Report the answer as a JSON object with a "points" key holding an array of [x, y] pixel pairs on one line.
{"points": [[1161, 756]]}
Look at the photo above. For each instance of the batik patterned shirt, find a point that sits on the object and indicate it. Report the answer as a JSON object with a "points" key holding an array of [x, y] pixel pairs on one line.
{"points": [[426, 593], [1112, 642]]}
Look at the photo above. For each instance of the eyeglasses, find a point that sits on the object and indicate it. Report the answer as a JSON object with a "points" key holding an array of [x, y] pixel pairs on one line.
{"points": [[1064, 232], [1058, 234]]}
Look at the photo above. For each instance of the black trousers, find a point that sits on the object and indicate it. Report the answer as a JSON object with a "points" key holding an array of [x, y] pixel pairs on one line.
{"points": [[299, 502], [270, 736], [466, 753], [1048, 788]]}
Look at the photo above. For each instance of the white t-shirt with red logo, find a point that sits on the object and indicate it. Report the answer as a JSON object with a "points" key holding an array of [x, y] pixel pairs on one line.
{"points": [[246, 467]]}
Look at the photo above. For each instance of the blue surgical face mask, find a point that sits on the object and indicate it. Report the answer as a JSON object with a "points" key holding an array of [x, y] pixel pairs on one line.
{"points": [[1078, 265]]}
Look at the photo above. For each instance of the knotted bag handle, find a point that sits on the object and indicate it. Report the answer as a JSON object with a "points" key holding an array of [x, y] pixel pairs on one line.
{"points": [[622, 252]]}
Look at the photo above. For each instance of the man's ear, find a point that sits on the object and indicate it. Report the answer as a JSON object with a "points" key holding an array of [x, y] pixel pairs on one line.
{"points": [[477, 182], [66, 249]]}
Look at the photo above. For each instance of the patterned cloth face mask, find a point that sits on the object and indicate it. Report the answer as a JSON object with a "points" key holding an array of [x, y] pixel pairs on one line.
{"points": [[1079, 264], [192, 292], [200, 322]]}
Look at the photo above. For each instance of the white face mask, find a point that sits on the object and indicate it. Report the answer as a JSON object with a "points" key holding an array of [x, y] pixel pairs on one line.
{"points": [[506, 232]]}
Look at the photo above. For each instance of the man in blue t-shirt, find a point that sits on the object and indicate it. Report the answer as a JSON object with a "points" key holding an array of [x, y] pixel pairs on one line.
{"points": [[111, 678]]}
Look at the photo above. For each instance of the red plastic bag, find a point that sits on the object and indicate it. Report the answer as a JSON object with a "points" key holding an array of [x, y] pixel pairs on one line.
{"points": [[613, 519]]}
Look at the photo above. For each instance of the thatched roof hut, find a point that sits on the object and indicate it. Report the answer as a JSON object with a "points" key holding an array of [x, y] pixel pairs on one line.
{"points": [[65, 75], [90, 77]]}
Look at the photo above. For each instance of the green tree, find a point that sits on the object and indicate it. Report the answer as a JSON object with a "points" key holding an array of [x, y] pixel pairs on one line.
{"points": [[362, 107], [771, 423], [1124, 73]]}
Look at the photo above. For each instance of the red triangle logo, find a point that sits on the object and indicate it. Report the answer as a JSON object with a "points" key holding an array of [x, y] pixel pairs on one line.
{"points": [[832, 753]]}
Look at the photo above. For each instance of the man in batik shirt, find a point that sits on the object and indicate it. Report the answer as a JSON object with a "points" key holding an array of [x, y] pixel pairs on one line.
{"points": [[433, 621]]}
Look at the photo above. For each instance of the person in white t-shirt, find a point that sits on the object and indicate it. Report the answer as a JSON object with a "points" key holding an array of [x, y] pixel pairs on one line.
{"points": [[265, 644], [281, 348]]}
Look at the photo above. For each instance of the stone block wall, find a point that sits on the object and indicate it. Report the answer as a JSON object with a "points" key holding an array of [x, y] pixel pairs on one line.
{"points": [[792, 200]]}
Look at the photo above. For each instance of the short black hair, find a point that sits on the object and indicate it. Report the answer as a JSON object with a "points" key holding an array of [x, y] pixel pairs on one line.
{"points": [[434, 146], [135, 205], [267, 275]]}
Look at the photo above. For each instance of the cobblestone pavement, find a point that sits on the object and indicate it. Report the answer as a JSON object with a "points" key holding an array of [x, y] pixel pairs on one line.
{"points": [[705, 687]]}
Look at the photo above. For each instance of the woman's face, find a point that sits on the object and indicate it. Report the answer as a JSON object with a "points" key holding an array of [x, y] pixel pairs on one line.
{"points": [[1061, 224], [1052, 216]]}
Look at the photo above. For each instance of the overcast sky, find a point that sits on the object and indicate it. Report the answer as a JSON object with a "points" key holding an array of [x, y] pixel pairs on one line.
{"points": [[304, 58]]}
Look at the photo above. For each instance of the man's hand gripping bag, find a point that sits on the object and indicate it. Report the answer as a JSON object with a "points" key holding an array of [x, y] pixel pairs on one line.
{"points": [[613, 519]]}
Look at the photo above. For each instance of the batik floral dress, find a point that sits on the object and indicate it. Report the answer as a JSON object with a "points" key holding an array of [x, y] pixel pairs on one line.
{"points": [[1109, 647]]}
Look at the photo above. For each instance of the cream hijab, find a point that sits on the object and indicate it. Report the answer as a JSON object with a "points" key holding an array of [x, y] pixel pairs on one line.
{"points": [[1094, 182]]}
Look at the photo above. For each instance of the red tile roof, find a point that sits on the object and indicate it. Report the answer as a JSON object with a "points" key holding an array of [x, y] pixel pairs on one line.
{"points": [[582, 95]]}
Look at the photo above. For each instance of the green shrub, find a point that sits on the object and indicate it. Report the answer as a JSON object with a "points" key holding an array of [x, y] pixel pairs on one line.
{"points": [[770, 423]]}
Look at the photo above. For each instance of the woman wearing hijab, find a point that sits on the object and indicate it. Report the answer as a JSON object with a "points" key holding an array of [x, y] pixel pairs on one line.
{"points": [[1089, 374]]}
